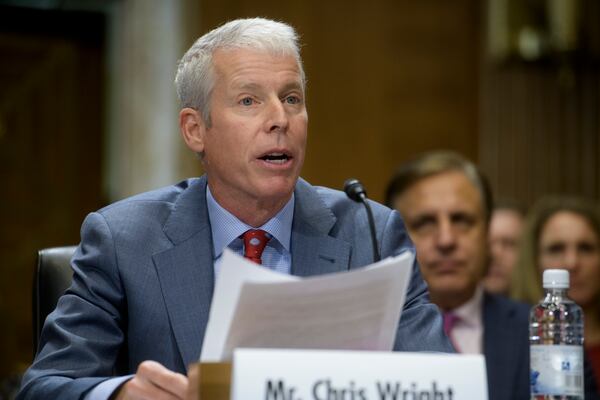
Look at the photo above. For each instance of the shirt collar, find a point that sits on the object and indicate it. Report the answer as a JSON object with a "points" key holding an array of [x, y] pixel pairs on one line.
{"points": [[226, 227], [470, 312]]}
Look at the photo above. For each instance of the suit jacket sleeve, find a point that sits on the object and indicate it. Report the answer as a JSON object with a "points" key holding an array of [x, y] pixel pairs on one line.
{"points": [[420, 327], [81, 339]]}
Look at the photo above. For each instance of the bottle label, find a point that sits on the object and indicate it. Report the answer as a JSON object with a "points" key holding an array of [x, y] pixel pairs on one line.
{"points": [[556, 370]]}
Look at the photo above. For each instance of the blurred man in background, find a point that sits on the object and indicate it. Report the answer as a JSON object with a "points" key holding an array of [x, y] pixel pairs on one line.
{"points": [[505, 231], [446, 205]]}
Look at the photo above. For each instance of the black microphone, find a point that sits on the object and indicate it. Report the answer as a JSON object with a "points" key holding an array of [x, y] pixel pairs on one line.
{"points": [[356, 191]]}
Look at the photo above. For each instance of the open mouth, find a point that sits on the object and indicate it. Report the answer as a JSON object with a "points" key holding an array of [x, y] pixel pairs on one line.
{"points": [[276, 158]]}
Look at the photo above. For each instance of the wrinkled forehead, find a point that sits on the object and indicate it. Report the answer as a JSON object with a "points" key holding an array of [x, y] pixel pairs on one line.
{"points": [[506, 219], [237, 69], [222, 58], [445, 192]]}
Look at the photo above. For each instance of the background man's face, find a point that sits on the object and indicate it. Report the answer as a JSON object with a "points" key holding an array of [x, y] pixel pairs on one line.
{"points": [[445, 219], [254, 149], [505, 232]]}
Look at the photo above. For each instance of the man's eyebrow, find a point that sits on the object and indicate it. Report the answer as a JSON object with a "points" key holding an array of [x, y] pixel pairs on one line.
{"points": [[292, 86], [247, 86], [421, 216], [251, 86]]}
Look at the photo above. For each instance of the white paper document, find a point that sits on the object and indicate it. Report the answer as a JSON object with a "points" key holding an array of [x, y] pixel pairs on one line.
{"points": [[351, 310]]}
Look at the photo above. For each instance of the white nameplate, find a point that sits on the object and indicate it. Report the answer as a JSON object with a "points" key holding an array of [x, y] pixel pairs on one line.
{"points": [[353, 375]]}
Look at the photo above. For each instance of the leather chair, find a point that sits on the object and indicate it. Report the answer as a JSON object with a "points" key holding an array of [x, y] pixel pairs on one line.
{"points": [[52, 277]]}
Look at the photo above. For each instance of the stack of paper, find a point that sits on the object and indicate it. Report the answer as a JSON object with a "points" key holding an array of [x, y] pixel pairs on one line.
{"points": [[256, 307]]}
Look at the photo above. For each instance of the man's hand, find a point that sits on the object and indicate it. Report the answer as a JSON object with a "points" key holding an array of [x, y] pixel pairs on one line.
{"points": [[193, 392], [154, 381]]}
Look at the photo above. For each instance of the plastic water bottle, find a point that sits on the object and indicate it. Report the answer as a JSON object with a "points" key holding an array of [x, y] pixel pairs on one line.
{"points": [[556, 342]]}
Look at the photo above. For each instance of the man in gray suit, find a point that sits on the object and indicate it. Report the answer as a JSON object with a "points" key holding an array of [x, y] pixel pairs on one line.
{"points": [[135, 315]]}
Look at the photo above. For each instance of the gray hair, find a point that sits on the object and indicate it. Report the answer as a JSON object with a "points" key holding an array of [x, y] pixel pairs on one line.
{"points": [[195, 76]]}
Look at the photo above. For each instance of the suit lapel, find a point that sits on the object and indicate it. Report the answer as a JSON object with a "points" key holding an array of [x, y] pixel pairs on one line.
{"points": [[314, 251], [499, 328], [186, 272]]}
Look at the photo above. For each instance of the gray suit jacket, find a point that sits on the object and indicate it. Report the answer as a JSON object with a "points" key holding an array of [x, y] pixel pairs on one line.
{"points": [[143, 283]]}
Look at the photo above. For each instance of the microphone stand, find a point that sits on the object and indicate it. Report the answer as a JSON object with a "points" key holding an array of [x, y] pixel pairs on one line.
{"points": [[355, 191]]}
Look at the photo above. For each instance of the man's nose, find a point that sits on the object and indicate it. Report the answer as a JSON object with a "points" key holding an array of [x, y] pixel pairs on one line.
{"points": [[277, 117], [495, 247], [446, 237]]}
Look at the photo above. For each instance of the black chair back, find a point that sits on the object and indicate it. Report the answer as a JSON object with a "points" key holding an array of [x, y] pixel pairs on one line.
{"points": [[52, 277]]}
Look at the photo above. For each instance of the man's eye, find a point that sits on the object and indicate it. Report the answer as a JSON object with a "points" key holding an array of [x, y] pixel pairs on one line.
{"points": [[463, 220], [422, 224], [292, 100], [246, 101]]}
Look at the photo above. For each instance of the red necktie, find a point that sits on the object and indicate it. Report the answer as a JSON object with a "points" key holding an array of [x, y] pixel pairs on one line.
{"points": [[450, 320], [255, 241]]}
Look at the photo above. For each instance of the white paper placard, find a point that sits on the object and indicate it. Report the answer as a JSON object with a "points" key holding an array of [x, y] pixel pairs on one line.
{"points": [[269, 374]]}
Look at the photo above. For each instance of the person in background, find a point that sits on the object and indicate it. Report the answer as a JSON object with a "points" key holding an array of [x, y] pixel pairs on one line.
{"points": [[505, 231], [564, 232], [135, 315], [446, 205]]}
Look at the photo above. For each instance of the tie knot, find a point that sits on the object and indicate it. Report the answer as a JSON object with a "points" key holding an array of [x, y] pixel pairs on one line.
{"points": [[450, 319], [255, 241]]}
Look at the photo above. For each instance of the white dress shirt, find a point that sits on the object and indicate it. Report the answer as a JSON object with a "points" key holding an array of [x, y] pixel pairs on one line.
{"points": [[467, 333]]}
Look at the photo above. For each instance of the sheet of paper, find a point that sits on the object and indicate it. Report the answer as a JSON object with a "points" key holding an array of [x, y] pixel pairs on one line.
{"points": [[352, 310], [234, 272]]}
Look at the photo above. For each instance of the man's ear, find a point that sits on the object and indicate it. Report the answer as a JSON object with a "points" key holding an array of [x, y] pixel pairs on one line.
{"points": [[193, 129]]}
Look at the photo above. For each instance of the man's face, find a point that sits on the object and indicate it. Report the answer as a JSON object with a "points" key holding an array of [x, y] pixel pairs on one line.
{"points": [[254, 148], [568, 241], [505, 231], [445, 218]]}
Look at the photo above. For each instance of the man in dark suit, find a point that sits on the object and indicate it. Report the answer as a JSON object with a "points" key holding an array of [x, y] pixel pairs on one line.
{"points": [[446, 205], [144, 273]]}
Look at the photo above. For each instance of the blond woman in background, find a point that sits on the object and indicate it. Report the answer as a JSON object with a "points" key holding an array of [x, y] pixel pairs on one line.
{"points": [[564, 232]]}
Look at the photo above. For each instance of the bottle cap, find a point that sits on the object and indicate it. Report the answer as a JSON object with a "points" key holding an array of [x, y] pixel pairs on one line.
{"points": [[556, 279]]}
